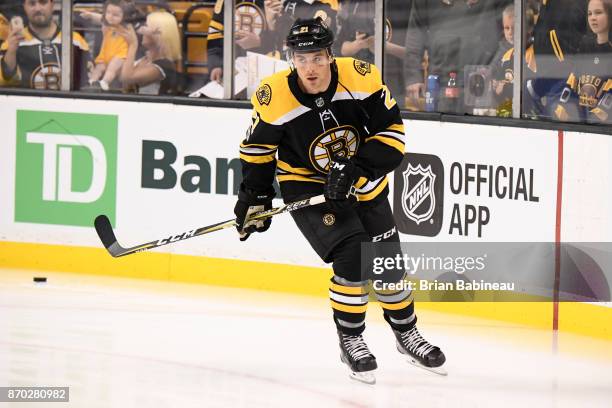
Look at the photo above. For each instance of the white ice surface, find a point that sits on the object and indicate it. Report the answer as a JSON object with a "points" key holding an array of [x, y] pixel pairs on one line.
{"points": [[133, 343]]}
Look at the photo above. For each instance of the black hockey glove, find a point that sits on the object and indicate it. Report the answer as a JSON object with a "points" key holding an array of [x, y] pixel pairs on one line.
{"points": [[340, 178], [249, 202]]}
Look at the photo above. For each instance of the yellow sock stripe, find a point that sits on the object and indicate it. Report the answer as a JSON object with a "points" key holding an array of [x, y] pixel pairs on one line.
{"points": [[388, 141], [347, 308], [372, 194], [348, 290], [396, 306], [399, 305]]}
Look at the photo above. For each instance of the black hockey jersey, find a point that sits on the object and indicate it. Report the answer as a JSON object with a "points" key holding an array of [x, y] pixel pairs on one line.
{"points": [[295, 135], [39, 61]]}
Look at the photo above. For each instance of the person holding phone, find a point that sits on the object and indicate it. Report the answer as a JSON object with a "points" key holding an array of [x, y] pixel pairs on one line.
{"points": [[31, 56]]}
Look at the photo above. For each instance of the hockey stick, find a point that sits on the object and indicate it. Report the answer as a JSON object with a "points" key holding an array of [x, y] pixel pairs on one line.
{"points": [[107, 235]]}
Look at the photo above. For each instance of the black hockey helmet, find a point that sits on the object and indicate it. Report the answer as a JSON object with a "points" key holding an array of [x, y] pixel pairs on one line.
{"points": [[309, 35]]}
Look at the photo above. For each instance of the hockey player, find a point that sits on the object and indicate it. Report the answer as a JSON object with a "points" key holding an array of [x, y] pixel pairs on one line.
{"points": [[328, 126]]}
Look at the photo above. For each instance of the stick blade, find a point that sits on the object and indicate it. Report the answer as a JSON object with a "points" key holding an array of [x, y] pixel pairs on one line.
{"points": [[105, 231]]}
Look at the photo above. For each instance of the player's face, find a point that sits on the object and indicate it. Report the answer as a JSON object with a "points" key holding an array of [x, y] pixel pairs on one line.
{"points": [[508, 21], [39, 12], [113, 15], [313, 69], [599, 21]]}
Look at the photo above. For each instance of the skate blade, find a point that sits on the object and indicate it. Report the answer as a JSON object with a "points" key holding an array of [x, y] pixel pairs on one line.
{"points": [[438, 370], [366, 377]]}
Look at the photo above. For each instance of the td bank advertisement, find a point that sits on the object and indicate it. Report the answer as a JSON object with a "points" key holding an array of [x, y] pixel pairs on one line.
{"points": [[160, 169]]}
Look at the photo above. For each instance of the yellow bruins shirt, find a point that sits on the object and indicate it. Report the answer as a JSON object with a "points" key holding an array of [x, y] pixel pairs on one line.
{"points": [[295, 135]]}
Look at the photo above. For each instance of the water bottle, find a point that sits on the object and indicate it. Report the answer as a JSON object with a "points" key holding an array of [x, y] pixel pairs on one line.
{"points": [[432, 94], [451, 94]]}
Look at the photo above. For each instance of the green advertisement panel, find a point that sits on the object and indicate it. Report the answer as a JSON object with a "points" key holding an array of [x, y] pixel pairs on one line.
{"points": [[66, 167]]}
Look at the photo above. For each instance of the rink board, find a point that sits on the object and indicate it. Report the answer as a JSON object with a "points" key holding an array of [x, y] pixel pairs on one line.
{"points": [[159, 169]]}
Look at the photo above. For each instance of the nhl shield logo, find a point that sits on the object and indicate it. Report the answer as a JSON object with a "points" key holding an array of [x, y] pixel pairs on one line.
{"points": [[418, 197]]}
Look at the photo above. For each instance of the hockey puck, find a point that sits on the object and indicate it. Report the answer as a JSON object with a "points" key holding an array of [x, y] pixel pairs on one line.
{"points": [[40, 279]]}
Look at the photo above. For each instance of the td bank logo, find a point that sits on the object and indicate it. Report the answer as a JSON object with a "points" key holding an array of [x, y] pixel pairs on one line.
{"points": [[66, 167]]}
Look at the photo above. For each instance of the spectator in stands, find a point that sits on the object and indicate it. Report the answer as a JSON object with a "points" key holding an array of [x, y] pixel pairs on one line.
{"points": [[455, 33], [30, 57], [356, 37], [503, 62], [261, 27], [587, 96], [4, 28], [114, 47], [155, 73], [559, 29], [250, 25]]}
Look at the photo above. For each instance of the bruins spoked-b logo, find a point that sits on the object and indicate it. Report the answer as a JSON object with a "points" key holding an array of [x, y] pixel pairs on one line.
{"points": [[248, 17], [341, 141], [418, 201], [362, 67], [264, 94]]}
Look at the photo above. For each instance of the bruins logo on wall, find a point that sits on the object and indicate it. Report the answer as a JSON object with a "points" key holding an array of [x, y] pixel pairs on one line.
{"points": [[249, 17], [264, 94], [362, 67], [341, 141]]}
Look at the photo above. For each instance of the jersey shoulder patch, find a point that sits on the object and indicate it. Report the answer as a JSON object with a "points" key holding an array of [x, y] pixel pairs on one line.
{"points": [[264, 94], [273, 99], [362, 67], [358, 76]]}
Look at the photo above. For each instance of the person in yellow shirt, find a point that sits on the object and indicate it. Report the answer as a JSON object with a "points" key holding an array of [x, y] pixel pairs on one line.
{"points": [[114, 48]]}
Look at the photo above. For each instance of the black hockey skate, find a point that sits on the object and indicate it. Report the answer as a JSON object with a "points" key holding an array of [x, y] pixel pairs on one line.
{"points": [[419, 351], [355, 354]]}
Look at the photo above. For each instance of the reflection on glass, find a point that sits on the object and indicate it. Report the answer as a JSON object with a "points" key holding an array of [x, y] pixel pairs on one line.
{"points": [[559, 29], [136, 48], [451, 49], [30, 54], [260, 30]]}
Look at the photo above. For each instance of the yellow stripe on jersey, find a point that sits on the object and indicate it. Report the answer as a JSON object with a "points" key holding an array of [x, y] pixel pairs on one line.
{"points": [[556, 46], [372, 194], [608, 86], [215, 36], [259, 145], [388, 141], [215, 24], [258, 159], [348, 290], [600, 113], [508, 55], [361, 182], [296, 170], [397, 127], [295, 177], [332, 3], [347, 308]]}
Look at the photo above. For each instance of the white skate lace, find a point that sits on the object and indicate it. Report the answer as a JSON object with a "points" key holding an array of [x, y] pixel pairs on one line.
{"points": [[414, 342], [356, 347]]}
